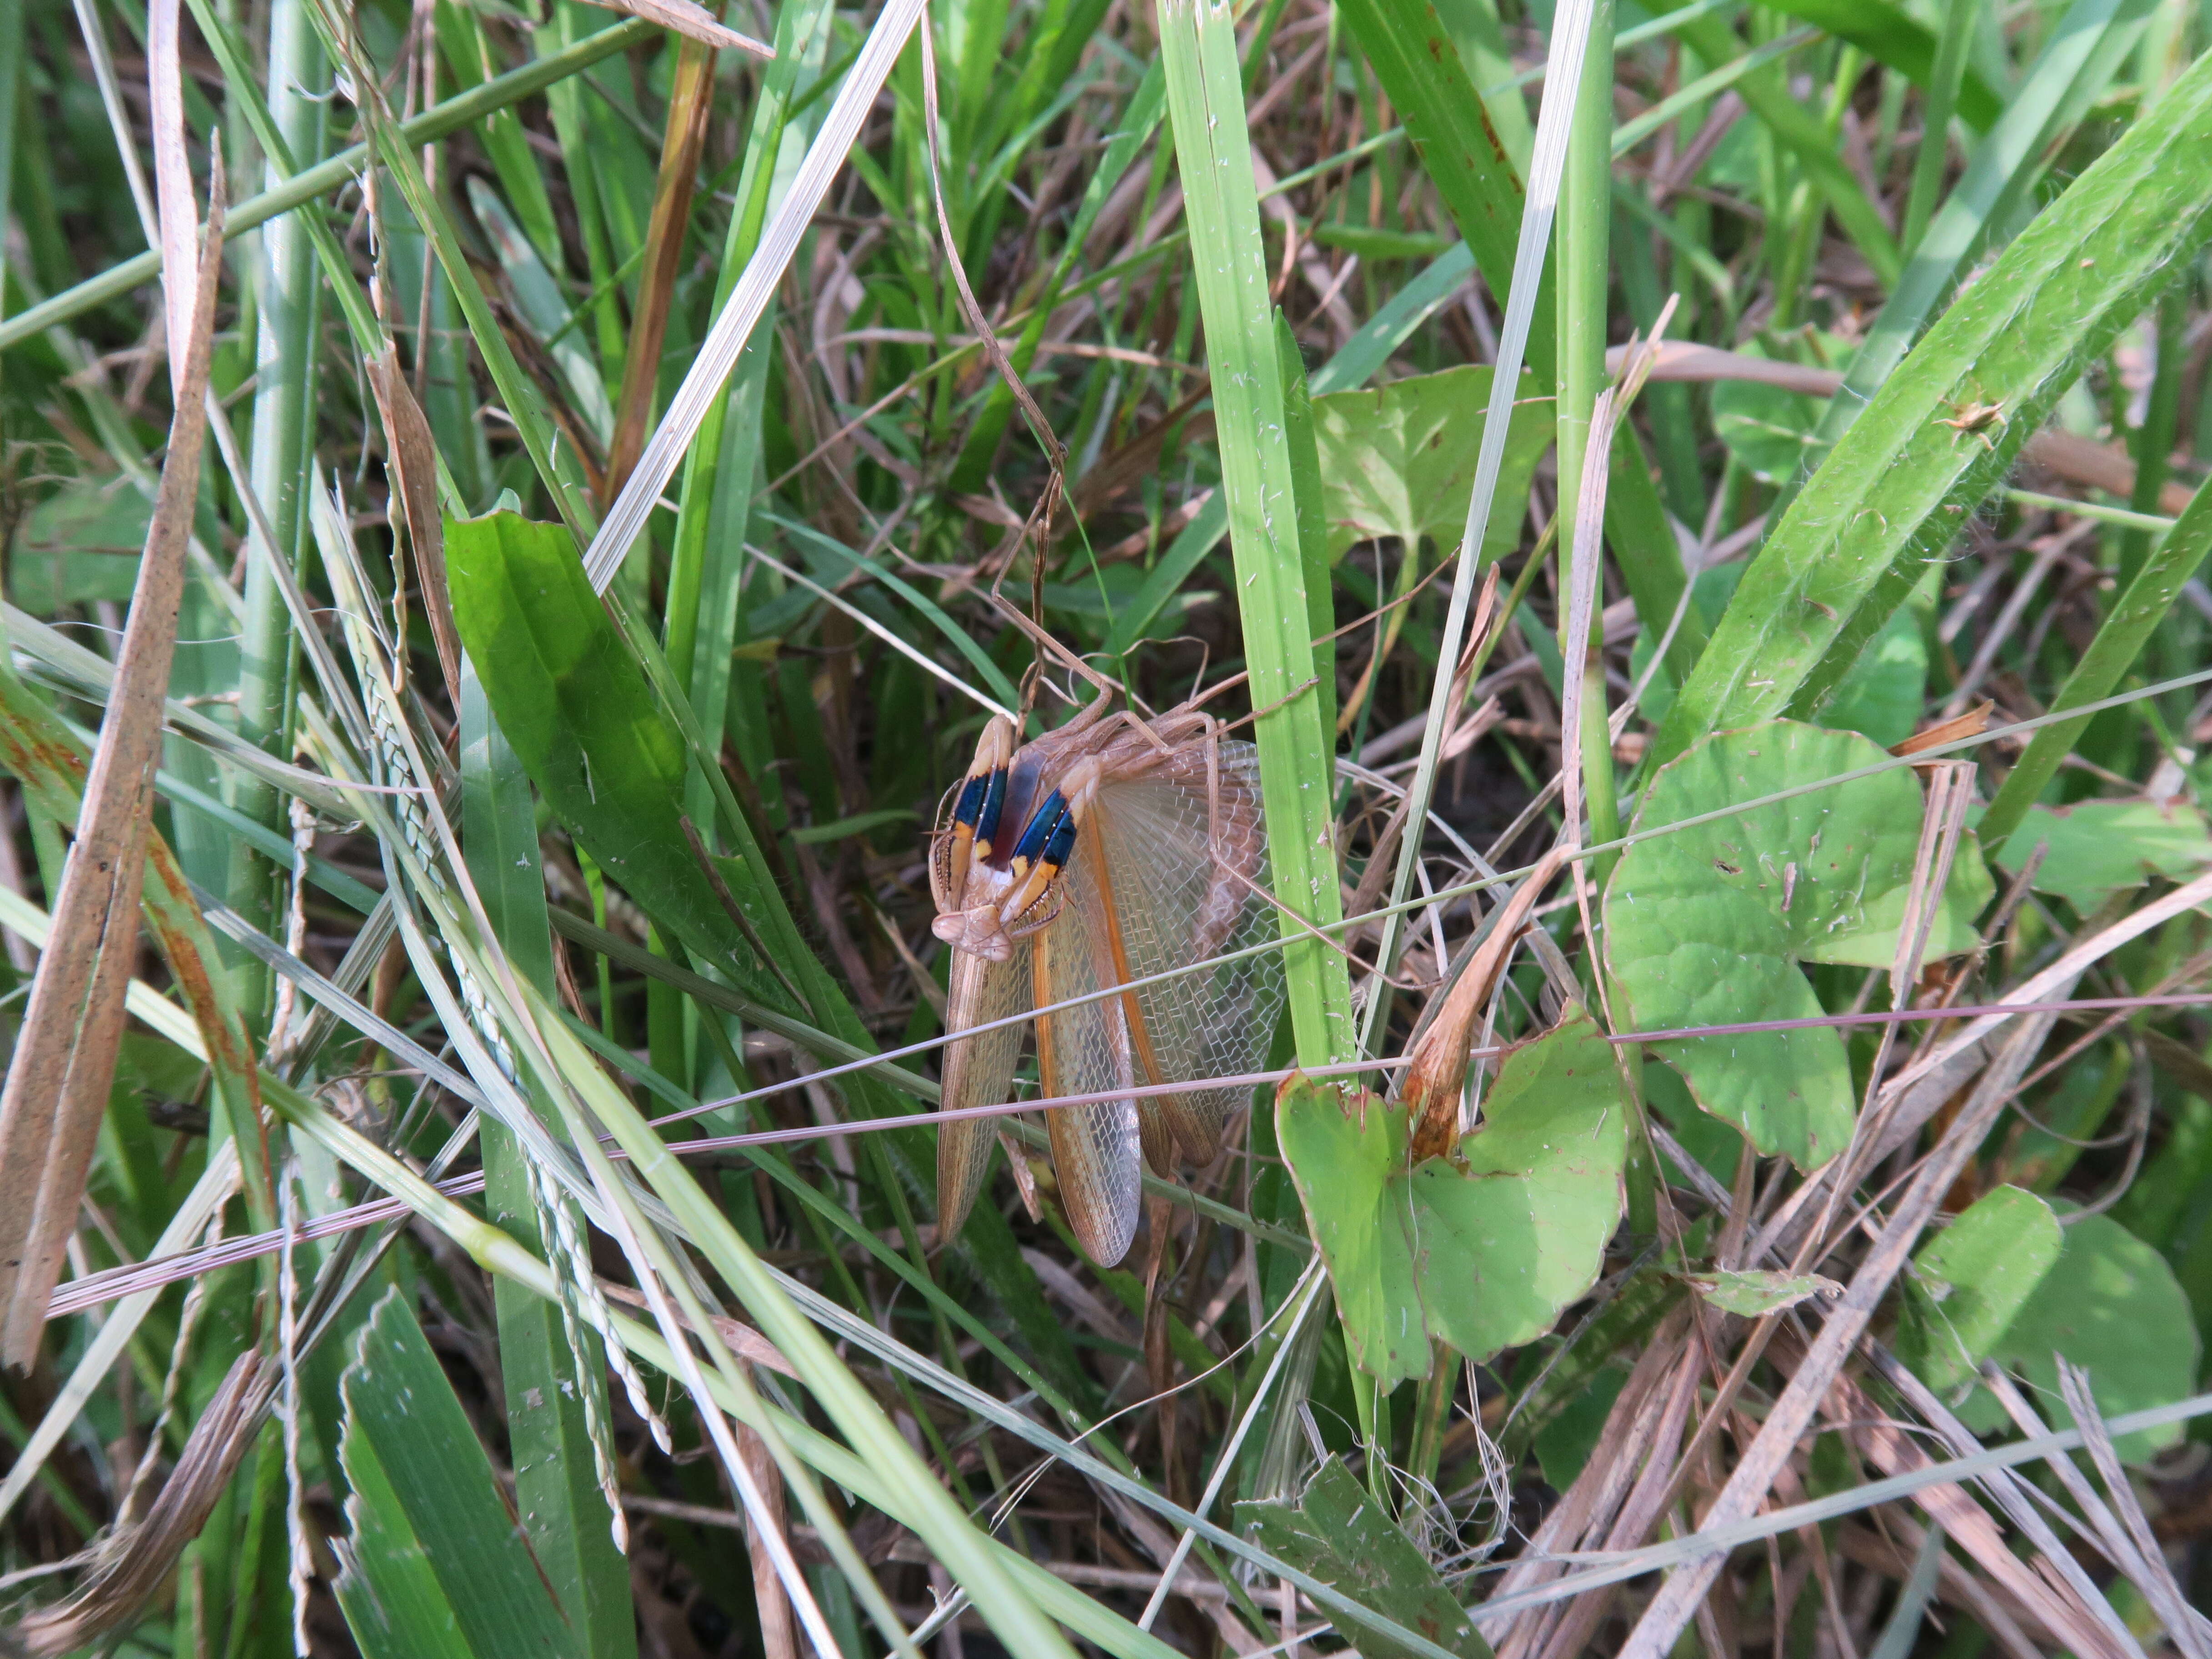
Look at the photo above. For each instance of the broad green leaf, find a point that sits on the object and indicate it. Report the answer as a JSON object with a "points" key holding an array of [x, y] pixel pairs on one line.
{"points": [[1761, 1291], [1969, 1282], [1338, 1533], [2110, 1305], [1398, 460], [80, 543], [581, 717], [1704, 927], [1483, 1250], [1899, 484], [439, 1564], [2099, 848], [1769, 428], [1563, 1446]]}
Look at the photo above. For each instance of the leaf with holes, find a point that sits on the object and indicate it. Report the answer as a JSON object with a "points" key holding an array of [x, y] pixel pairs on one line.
{"points": [[1483, 1250], [1705, 926]]}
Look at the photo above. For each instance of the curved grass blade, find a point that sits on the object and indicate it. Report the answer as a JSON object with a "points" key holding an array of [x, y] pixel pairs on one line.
{"points": [[2118, 642], [1897, 488]]}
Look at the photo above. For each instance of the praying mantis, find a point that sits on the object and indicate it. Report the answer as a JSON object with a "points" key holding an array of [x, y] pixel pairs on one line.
{"points": [[1110, 850]]}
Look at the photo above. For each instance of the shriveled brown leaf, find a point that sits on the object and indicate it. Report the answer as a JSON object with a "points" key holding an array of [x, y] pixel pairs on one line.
{"points": [[690, 100], [1440, 1061], [134, 1562], [1971, 724], [414, 471], [59, 1076], [689, 19]]}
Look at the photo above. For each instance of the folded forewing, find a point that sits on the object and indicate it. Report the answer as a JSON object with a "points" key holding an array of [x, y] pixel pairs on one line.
{"points": [[1083, 1050], [1186, 865], [979, 1070]]}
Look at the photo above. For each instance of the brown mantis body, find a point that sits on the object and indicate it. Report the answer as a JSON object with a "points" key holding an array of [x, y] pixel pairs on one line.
{"points": [[1097, 855]]}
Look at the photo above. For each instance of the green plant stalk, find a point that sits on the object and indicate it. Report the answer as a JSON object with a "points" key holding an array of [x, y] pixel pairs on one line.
{"points": [[517, 394], [278, 468], [2145, 603], [13, 64], [1583, 272], [338, 170], [2153, 438], [1939, 103], [564, 103], [717, 496], [1422, 76], [1205, 104]]}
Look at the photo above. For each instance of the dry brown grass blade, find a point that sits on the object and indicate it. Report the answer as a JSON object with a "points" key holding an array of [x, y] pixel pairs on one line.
{"points": [[690, 100], [134, 1562], [1678, 1598], [1597, 1492], [2054, 1602], [1971, 724], [689, 19], [778, 1632], [1439, 1059], [414, 458], [2076, 460], [59, 1076]]}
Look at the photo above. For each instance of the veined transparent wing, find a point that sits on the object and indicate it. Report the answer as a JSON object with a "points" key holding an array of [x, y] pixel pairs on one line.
{"points": [[1085, 1050], [1184, 863], [979, 1070]]}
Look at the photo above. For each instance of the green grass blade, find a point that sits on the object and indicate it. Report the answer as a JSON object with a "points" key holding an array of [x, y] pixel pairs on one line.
{"points": [[1563, 76], [1806, 136], [426, 1513], [1896, 489], [340, 169], [563, 1513], [1357, 359], [1941, 98], [734, 321], [1895, 40], [2119, 641], [2085, 50], [1449, 128], [1206, 102]]}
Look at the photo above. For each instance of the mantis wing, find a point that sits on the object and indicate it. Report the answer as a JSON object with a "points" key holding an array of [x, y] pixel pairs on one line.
{"points": [[1184, 864], [979, 1070]]}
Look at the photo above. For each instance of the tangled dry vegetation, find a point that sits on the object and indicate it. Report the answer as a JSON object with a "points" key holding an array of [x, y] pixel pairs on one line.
{"points": [[1624, 955]]}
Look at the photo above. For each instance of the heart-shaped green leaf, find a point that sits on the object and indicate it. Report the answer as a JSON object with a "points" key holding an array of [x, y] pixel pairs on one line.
{"points": [[2100, 847], [1971, 1281], [1483, 1251], [1704, 927], [1398, 460]]}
